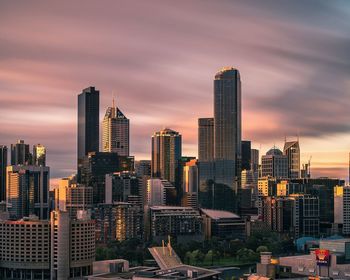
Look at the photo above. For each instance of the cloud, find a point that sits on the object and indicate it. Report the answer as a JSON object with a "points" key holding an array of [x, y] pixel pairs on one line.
{"points": [[160, 57]]}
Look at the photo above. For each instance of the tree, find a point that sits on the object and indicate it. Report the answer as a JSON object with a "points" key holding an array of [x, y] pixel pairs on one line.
{"points": [[262, 249]]}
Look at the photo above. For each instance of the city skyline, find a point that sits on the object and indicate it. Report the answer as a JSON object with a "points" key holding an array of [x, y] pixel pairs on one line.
{"points": [[157, 87]]}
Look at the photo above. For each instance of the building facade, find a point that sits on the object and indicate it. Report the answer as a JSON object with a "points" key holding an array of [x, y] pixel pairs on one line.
{"points": [[88, 123], [20, 154], [27, 191], [3, 165], [292, 151], [39, 155], [184, 223], [115, 132], [205, 139], [166, 154], [274, 164]]}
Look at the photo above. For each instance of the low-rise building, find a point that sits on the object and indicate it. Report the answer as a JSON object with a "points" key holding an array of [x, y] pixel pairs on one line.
{"points": [[222, 224]]}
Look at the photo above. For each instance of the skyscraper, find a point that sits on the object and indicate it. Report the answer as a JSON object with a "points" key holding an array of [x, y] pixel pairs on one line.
{"points": [[88, 122], [292, 151], [115, 132], [27, 191], [20, 154], [246, 155], [3, 164], [166, 153], [254, 160], [39, 155], [227, 116], [205, 139], [274, 164], [227, 137]]}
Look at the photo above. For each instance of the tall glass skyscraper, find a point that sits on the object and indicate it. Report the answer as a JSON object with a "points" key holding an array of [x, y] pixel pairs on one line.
{"points": [[3, 164], [292, 151], [20, 154], [227, 136], [205, 139], [88, 123]]}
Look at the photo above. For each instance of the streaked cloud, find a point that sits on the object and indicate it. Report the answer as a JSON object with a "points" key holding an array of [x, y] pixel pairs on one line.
{"points": [[159, 58]]}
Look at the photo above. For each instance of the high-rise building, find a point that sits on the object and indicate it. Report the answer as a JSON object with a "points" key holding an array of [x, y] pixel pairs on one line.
{"points": [[227, 136], [292, 151], [190, 184], [72, 245], [160, 192], [27, 191], [205, 139], [297, 214], [166, 153], [96, 165], [124, 187], [274, 164], [88, 123], [115, 132], [39, 155], [3, 164], [254, 160], [20, 154], [246, 155], [118, 221], [342, 208], [71, 198], [143, 168]]}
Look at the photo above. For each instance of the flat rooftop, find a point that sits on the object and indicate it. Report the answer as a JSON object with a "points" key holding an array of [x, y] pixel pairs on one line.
{"points": [[219, 214]]}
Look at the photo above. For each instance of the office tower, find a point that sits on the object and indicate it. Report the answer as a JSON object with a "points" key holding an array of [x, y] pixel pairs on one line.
{"points": [[96, 165], [297, 214], [223, 225], [342, 208], [254, 160], [72, 245], [39, 155], [183, 222], [20, 154], [246, 155], [118, 221], [190, 184], [143, 168], [124, 187], [88, 123], [227, 137], [115, 132], [160, 192], [27, 191], [274, 164], [205, 139], [71, 198], [166, 153], [292, 151], [323, 188], [3, 164]]}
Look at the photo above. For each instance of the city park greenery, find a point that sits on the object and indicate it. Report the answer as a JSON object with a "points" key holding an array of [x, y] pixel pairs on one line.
{"points": [[214, 252]]}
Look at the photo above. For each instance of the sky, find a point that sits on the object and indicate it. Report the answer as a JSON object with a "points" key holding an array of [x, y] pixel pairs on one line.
{"points": [[159, 57]]}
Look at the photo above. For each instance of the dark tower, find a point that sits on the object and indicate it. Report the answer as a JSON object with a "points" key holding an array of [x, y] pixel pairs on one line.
{"points": [[88, 123]]}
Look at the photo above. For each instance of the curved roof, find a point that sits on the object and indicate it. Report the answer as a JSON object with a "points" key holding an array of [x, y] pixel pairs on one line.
{"points": [[274, 152], [227, 72]]}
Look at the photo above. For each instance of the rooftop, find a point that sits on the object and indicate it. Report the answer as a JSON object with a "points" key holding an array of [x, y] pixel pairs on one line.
{"points": [[219, 214]]}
